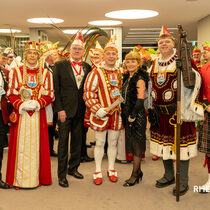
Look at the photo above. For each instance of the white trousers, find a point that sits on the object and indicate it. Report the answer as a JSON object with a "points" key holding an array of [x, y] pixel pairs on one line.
{"points": [[121, 152], [100, 138]]}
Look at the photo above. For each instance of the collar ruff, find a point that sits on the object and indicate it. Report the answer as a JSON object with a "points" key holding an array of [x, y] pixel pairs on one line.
{"points": [[168, 61]]}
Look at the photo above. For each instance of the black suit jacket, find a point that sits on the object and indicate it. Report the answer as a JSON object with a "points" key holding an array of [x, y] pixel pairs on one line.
{"points": [[3, 103], [67, 95], [4, 109], [49, 68]]}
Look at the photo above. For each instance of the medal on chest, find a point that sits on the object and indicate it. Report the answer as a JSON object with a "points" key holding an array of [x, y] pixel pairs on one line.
{"points": [[113, 79], [115, 92], [32, 81], [78, 73], [161, 78], [25, 93], [79, 78]]}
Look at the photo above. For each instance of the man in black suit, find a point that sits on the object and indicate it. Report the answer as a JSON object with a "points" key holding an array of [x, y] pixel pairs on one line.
{"points": [[69, 76]]}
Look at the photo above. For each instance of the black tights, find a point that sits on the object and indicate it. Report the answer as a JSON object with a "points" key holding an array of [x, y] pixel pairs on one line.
{"points": [[136, 169]]}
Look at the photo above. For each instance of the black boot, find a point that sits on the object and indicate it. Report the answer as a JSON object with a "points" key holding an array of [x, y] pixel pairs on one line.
{"points": [[4, 185], [184, 167], [168, 177]]}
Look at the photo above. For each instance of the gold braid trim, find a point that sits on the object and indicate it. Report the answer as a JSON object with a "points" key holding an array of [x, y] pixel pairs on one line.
{"points": [[42, 102], [16, 103], [40, 72], [24, 70]]}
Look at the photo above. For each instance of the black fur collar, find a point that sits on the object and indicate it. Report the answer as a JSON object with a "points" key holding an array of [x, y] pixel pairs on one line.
{"points": [[139, 74]]}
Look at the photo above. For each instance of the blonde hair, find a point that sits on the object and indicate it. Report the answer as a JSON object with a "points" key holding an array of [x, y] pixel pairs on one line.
{"points": [[134, 56]]}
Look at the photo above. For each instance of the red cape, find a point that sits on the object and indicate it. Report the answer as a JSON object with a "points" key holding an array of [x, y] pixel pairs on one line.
{"points": [[44, 166]]}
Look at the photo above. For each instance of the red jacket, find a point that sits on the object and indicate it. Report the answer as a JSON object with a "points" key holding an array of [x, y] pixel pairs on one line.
{"points": [[205, 73]]}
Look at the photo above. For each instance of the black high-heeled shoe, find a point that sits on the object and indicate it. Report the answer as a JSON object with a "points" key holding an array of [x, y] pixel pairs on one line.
{"points": [[139, 178]]}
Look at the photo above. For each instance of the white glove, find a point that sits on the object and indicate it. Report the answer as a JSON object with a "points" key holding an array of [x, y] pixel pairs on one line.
{"points": [[26, 106], [101, 112], [35, 104]]}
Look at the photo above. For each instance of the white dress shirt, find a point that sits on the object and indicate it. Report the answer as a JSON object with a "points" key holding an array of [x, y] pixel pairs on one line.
{"points": [[77, 67]]}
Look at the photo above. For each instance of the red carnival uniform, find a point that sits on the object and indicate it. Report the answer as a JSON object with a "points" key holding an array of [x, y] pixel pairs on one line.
{"points": [[28, 156], [99, 90]]}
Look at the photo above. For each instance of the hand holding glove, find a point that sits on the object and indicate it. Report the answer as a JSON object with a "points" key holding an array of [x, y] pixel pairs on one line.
{"points": [[101, 112]]}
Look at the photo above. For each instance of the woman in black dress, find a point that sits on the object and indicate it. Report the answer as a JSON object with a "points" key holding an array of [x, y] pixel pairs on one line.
{"points": [[133, 113]]}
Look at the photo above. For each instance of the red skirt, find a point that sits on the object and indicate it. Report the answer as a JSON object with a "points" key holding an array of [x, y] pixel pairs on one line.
{"points": [[164, 134]]}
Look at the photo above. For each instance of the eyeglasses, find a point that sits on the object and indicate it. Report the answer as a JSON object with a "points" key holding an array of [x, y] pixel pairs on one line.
{"points": [[77, 49]]}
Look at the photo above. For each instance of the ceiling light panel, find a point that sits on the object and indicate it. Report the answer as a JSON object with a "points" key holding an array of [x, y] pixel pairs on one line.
{"points": [[105, 22], [149, 29], [142, 36], [45, 20], [144, 32], [130, 38], [132, 14], [9, 30], [74, 31]]}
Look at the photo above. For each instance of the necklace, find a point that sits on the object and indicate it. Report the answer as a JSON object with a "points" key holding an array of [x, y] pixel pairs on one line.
{"points": [[166, 63], [78, 76], [3, 74]]}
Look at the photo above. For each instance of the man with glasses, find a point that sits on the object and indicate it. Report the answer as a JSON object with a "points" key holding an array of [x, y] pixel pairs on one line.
{"points": [[69, 76]]}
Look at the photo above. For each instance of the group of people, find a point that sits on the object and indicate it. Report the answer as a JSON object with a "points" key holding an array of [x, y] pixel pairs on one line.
{"points": [[106, 99]]}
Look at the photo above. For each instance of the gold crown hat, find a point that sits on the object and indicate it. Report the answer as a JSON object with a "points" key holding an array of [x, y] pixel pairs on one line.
{"points": [[98, 47], [32, 45], [48, 48], [196, 50], [111, 45], [206, 46], [164, 33], [78, 39]]}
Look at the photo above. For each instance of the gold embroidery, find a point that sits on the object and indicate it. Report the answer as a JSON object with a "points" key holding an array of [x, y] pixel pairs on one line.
{"points": [[16, 155], [164, 95]]}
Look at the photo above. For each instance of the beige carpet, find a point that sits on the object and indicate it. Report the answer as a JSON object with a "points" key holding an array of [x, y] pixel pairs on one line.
{"points": [[84, 195]]}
